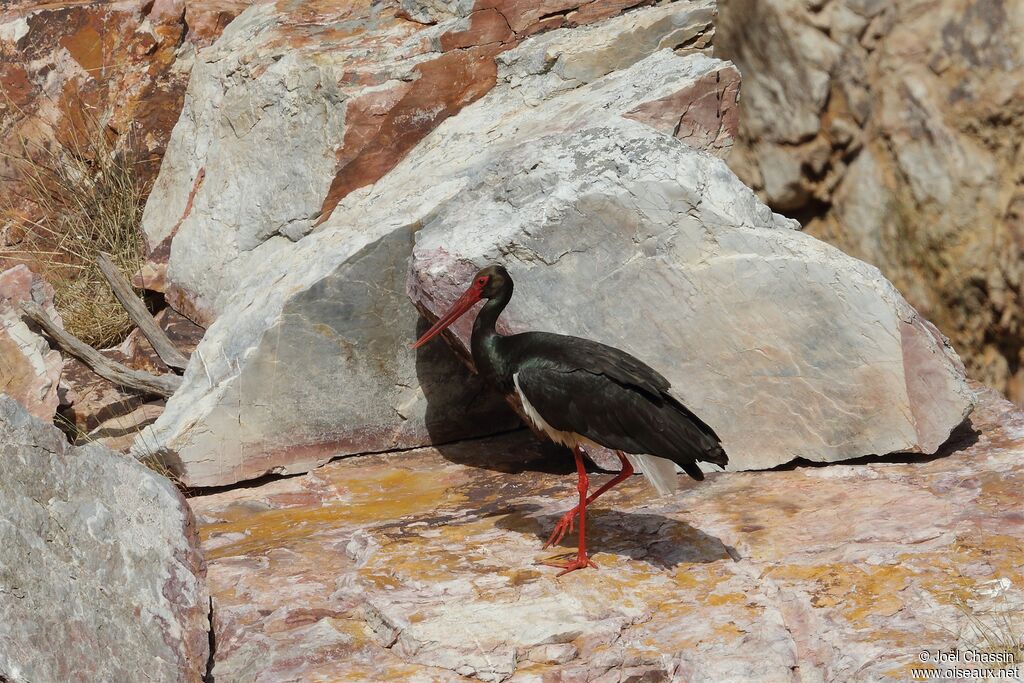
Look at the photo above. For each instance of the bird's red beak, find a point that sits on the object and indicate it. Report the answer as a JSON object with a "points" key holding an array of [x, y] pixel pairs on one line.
{"points": [[465, 302]]}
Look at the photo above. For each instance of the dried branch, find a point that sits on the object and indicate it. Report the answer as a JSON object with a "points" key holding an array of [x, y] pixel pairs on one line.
{"points": [[139, 315], [161, 385]]}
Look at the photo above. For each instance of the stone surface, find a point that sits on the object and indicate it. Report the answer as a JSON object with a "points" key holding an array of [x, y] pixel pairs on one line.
{"points": [[119, 431], [308, 357], [784, 345], [136, 351], [88, 400], [891, 129], [100, 575], [29, 369], [420, 566]]}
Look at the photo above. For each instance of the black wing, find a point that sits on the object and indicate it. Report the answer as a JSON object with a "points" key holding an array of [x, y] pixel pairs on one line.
{"points": [[614, 399]]}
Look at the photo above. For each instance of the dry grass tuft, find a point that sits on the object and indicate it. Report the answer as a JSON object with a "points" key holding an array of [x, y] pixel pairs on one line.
{"points": [[992, 630], [84, 197]]}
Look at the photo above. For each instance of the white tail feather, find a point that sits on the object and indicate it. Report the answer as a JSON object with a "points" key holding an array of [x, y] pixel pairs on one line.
{"points": [[660, 472]]}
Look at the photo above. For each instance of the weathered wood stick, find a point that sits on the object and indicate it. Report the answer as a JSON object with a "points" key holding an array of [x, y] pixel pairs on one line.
{"points": [[139, 314], [161, 385]]}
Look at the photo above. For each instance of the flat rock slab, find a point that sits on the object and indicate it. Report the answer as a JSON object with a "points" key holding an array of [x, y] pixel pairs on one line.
{"points": [[100, 572], [421, 566]]}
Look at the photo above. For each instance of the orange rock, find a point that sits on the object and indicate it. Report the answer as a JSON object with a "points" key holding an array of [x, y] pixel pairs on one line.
{"points": [[485, 26], [384, 126]]}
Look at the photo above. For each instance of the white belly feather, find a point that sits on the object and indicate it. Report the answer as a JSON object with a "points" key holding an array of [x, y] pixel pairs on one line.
{"points": [[570, 439]]}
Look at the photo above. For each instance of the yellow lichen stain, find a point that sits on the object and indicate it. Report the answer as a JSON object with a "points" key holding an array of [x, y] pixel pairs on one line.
{"points": [[416, 561], [859, 592], [718, 599], [1004, 553], [521, 577], [531, 671], [1000, 492], [699, 597], [430, 559], [384, 495], [354, 672], [685, 579], [729, 631], [867, 594]]}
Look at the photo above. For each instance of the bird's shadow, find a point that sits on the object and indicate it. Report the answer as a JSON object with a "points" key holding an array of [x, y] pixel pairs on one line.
{"points": [[655, 539]]}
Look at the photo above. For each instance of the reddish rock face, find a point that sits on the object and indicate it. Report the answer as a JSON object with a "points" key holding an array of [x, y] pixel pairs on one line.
{"points": [[382, 126], [69, 67], [29, 369], [704, 114]]}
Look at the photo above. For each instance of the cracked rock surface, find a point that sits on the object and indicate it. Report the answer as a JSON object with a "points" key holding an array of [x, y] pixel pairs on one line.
{"points": [[421, 566], [101, 577], [783, 344]]}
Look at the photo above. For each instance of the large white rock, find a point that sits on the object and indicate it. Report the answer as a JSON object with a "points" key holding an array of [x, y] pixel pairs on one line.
{"points": [[101, 577], [308, 358], [783, 344]]}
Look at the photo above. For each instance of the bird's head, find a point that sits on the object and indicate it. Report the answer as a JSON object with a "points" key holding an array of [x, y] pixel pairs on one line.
{"points": [[492, 281], [488, 283]]}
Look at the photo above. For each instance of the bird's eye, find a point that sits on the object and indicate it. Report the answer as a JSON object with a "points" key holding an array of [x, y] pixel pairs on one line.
{"points": [[481, 281]]}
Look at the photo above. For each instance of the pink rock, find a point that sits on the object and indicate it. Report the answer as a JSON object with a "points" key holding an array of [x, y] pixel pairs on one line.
{"points": [[704, 114], [421, 565], [29, 369]]}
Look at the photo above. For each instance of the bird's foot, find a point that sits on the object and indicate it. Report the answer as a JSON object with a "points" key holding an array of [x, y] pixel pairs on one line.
{"points": [[579, 561], [564, 526]]}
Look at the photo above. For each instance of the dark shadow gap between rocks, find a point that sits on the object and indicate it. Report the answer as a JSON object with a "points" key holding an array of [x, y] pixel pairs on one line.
{"points": [[964, 436], [208, 676]]}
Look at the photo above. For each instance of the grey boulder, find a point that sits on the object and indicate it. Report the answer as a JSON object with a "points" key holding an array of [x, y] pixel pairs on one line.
{"points": [[101, 576]]}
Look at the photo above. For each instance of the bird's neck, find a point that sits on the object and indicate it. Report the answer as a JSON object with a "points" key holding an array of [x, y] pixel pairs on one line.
{"points": [[487, 357]]}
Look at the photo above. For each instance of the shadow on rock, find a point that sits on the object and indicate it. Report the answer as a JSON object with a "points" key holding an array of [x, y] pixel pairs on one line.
{"points": [[516, 453], [655, 539]]}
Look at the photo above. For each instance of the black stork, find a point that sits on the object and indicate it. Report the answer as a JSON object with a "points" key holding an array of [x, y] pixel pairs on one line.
{"points": [[582, 393]]}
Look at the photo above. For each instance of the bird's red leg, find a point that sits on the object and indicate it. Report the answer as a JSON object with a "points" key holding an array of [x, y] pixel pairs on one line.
{"points": [[565, 525], [581, 561]]}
